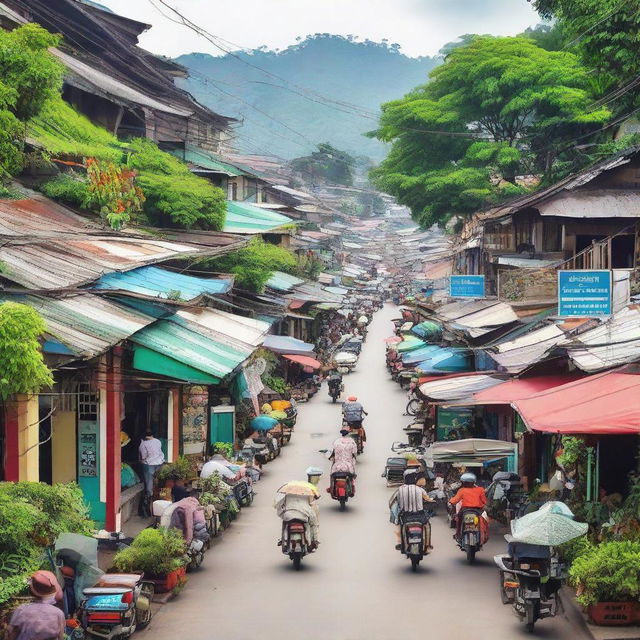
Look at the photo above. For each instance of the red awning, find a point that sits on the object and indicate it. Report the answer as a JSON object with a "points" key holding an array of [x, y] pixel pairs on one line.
{"points": [[608, 403], [519, 389], [305, 361]]}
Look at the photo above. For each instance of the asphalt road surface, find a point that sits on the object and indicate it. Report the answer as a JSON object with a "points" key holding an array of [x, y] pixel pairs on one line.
{"points": [[356, 586]]}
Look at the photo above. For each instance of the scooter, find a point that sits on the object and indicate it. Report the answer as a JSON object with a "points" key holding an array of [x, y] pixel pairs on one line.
{"points": [[342, 487], [469, 536], [294, 542], [530, 579], [197, 546], [415, 537], [334, 391]]}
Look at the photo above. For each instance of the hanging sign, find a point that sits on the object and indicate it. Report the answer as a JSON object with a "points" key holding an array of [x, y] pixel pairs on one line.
{"points": [[584, 294], [466, 286]]}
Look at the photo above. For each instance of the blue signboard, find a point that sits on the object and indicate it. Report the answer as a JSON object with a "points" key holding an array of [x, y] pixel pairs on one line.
{"points": [[466, 287], [584, 293]]}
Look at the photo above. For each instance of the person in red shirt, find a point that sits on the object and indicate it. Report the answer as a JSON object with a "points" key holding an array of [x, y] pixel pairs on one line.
{"points": [[470, 496]]}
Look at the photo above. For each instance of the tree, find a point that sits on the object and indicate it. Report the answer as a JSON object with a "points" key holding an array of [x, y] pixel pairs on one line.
{"points": [[496, 108], [605, 33], [327, 163], [22, 368], [29, 75], [254, 264]]}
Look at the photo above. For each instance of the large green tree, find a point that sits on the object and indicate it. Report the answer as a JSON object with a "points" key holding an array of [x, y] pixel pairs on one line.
{"points": [[606, 34], [326, 163], [496, 108]]}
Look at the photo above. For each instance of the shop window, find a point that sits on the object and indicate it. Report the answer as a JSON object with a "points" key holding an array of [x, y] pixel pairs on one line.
{"points": [[87, 402]]}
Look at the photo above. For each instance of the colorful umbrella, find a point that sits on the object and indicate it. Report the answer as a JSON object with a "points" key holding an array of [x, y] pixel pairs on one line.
{"points": [[263, 423], [299, 488]]}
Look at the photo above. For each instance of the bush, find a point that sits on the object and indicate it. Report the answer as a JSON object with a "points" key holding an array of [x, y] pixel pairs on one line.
{"points": [[178, 470], [224, 448], [175, 197], [569, 551], [71, 190], [154, 552], [607, 572]]}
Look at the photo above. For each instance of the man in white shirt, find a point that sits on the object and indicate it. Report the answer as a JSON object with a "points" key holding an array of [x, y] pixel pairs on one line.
{"points": [[151, 457]]}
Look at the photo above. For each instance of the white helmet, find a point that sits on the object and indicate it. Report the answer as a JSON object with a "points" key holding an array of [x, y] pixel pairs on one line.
{"points": [[468, 477]]}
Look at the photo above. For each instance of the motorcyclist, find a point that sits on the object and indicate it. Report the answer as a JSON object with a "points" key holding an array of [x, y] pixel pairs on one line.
{"points": [[353, 413], [469, 496], [343, 456], [334, 381], [407, 505], [303, 508]]}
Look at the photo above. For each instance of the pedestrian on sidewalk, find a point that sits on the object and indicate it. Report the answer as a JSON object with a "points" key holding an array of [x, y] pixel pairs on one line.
{"points": [[152, 458]]}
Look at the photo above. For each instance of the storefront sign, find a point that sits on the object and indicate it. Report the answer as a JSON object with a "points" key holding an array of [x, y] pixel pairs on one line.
{"points": [[584, 293], [466, 286]]}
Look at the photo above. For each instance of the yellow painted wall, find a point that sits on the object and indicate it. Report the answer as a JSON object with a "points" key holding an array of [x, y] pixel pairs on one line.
{"points": [[63, 446], [29, 431]]}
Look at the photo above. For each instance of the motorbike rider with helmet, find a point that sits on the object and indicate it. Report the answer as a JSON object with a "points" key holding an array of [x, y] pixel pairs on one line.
{"points": [[354, 413], [407, 505], [335, 382], [469, 496]]}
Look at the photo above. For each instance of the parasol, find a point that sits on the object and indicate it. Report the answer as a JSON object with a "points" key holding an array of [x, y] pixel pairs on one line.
{"points": [[263, 423], [552, 524], [299, 488]]}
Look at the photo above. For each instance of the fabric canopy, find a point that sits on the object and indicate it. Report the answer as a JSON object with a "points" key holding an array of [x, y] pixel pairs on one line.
{"points": [[446, 360], [608, 403], [454, 387], [290, 346], [409, 343], [305, 361], [428, 330], [421, 354]]}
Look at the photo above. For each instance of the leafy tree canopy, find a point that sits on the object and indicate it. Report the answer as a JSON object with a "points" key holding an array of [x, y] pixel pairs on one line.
{"points": [[605, 33], [503, 107], [22, 369], [326, 163]]}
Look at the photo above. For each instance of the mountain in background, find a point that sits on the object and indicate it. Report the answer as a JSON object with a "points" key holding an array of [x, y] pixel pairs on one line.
{"points": [[292, 86]]}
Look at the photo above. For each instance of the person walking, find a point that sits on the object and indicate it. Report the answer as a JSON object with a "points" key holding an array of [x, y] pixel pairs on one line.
{"points": [[40, 619], [152, 458]]}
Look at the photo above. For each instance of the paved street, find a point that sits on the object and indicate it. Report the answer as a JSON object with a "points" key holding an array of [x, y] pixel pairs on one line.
{"points": [[357, 586]]}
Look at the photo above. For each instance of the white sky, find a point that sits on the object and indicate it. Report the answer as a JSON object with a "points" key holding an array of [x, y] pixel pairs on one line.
{"points": [[421, 27]]}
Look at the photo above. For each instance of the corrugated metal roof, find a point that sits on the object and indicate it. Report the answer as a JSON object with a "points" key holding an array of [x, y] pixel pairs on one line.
{"points": [[614, 342], [604, 203], [485, 313], [58, 264], [520, 262], [87, 324], [207, 160], [245, 218], [283, 281], [313, 292], [161, 283], [457, 387]]}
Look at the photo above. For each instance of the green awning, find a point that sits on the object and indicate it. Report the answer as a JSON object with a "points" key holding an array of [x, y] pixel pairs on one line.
{"points": [[182, 348], [247, 218], [208, 161]]}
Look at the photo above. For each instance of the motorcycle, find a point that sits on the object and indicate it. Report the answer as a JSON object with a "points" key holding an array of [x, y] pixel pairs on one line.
{"points": [[335, 390], [506, 497], [342, 488], [197, 546], [356, 433], [469, 532], [530, 579], [294, 542], [415, 537]]}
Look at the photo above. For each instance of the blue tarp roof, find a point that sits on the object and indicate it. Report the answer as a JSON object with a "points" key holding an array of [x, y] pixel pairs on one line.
{"points": [[290, 346], [161, 283], [418, 355], [446, 360], [283, 281]]}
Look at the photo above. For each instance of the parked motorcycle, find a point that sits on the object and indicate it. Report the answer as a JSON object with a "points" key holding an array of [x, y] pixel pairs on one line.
{"points": [[415, 537], [506, 497], [469, 532], [294, 541], [342, 488], [530, 579], [198, 544]]}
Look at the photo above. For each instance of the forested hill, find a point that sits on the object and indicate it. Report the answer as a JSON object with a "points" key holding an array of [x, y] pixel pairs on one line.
{"points": [[359, 73]]}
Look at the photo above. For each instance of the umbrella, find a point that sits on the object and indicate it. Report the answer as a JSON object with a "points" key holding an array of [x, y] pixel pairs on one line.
{"points": [[263, 423], [299, 488], [551, 525], [211, 467]]}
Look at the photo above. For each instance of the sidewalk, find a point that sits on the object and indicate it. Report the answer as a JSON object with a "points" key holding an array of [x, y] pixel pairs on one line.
{"points": [[595, 632]]}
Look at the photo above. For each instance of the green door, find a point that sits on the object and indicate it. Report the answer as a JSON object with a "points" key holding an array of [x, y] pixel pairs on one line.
{"points": [[222, 425]]}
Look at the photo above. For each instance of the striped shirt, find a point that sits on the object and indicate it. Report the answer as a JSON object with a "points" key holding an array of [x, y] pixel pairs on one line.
{"points": [[411, 498]]}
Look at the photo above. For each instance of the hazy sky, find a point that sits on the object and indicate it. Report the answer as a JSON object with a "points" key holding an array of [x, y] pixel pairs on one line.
{"points": [[421, 27]]}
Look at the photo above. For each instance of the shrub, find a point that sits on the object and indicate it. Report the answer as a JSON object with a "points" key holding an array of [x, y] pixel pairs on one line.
{"points": [[607, 572], [155, 552], [175, 197], [178, 470], [70, 189], [569, 551], [224, 448]]}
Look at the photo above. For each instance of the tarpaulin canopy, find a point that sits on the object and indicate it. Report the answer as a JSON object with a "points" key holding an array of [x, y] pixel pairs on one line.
{"points": [[446, 360], [305, 361], [409, 343], [423, 353], [608, 403], [454, 387], [290, 346], [428, 330], [472, 450]]}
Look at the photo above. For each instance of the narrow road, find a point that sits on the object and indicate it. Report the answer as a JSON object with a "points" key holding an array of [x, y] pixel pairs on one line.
{"points": [[357, 586]]}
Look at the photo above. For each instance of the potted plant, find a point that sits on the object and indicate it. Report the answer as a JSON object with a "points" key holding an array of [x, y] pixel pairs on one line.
{"points": [[157, 553], [218, 494], [608, 582], [169, 473]]}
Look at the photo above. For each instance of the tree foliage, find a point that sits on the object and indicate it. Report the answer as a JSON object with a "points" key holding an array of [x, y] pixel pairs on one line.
{"points": [[175, 197], [327, 164], [22, 368], [254, 264], [29, 75], [496, 108]]}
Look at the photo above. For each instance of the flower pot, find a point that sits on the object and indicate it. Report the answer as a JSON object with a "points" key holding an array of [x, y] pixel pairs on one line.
{"points": [[614, 614], [168, 582]]}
